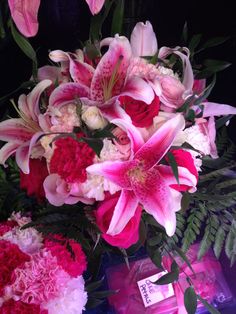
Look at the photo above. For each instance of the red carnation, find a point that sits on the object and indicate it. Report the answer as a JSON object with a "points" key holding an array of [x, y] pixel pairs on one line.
{"points": [[18, 307], [33, 182], [140, 113], [74, 262], [10, 258], [71, 158], [7, 226]]}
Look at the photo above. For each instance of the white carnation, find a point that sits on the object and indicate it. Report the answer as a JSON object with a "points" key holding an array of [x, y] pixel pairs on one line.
{"points": [[72, 299]]}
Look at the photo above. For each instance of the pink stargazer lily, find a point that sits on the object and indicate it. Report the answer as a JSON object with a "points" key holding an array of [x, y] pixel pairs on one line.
{"points": [[22, 134], [144, 181], [24, 13], [102, 86]]}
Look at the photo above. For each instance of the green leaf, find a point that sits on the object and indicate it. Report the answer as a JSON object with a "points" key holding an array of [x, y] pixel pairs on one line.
{"points": [[215, 42], [216, 65], [190, 300], [222, 121], [25, 46], [208, 306], [94, 285], [169, 277], [98, 20], [93, 303], [95, 144], [194, 42], [118, 16], [185, 202], [174, 166], [219, 241], [183, 256], [157, 259]]}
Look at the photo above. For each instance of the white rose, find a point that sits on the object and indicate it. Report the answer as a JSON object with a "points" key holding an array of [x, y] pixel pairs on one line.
{"points": [[93, 118]]}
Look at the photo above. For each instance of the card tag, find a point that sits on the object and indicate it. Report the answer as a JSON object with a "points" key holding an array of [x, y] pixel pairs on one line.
{"points": [[152, 293]]}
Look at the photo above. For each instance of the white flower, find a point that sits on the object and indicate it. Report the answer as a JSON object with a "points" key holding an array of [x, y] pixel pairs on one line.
{"points": [[72, 299], [93, 118], [29, 240]]}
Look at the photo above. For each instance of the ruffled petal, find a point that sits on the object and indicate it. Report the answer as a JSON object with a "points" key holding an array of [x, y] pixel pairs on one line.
{"points": [[124, 211], [160, 142], [24, 14]]}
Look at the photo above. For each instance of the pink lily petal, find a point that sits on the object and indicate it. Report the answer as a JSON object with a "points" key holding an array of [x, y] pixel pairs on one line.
{"points": [[6, 151], [158, 200], [143, 40], [160, 142], [110, 74], [132, 132], [212, 137], [80, 72], [49, 72], [124, 211], [95, 6], [23, 153], [185, 177], [214, 109], [138, 89], [14, 130], [115, 171], [188, 78], [29, 104], [24, 14], [67, 93], [112, 110]]}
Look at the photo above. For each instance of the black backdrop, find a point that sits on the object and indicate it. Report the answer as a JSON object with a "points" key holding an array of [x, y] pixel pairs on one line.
{"points": [[64, 24]]}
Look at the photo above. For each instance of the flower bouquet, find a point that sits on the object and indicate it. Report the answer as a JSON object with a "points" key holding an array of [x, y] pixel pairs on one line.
{"points": [[120, 149]]}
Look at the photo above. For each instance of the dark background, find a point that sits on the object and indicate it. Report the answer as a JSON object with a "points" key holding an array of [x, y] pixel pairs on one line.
{"points": [[64, 24]]}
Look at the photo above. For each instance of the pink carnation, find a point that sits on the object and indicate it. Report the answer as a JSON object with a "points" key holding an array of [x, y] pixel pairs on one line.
{"points": [[39, 280], [74, 263]]}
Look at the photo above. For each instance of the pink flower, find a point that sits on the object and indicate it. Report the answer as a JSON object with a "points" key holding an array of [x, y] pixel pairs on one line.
{"points": [[24, 14], [95, 6], [73, 263], [129, 235], [122, 143], [144, 181], [172, 92], [39, 280], [23, 133], [143, 40], [6, 226], [199, 86], [71, 300]]}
